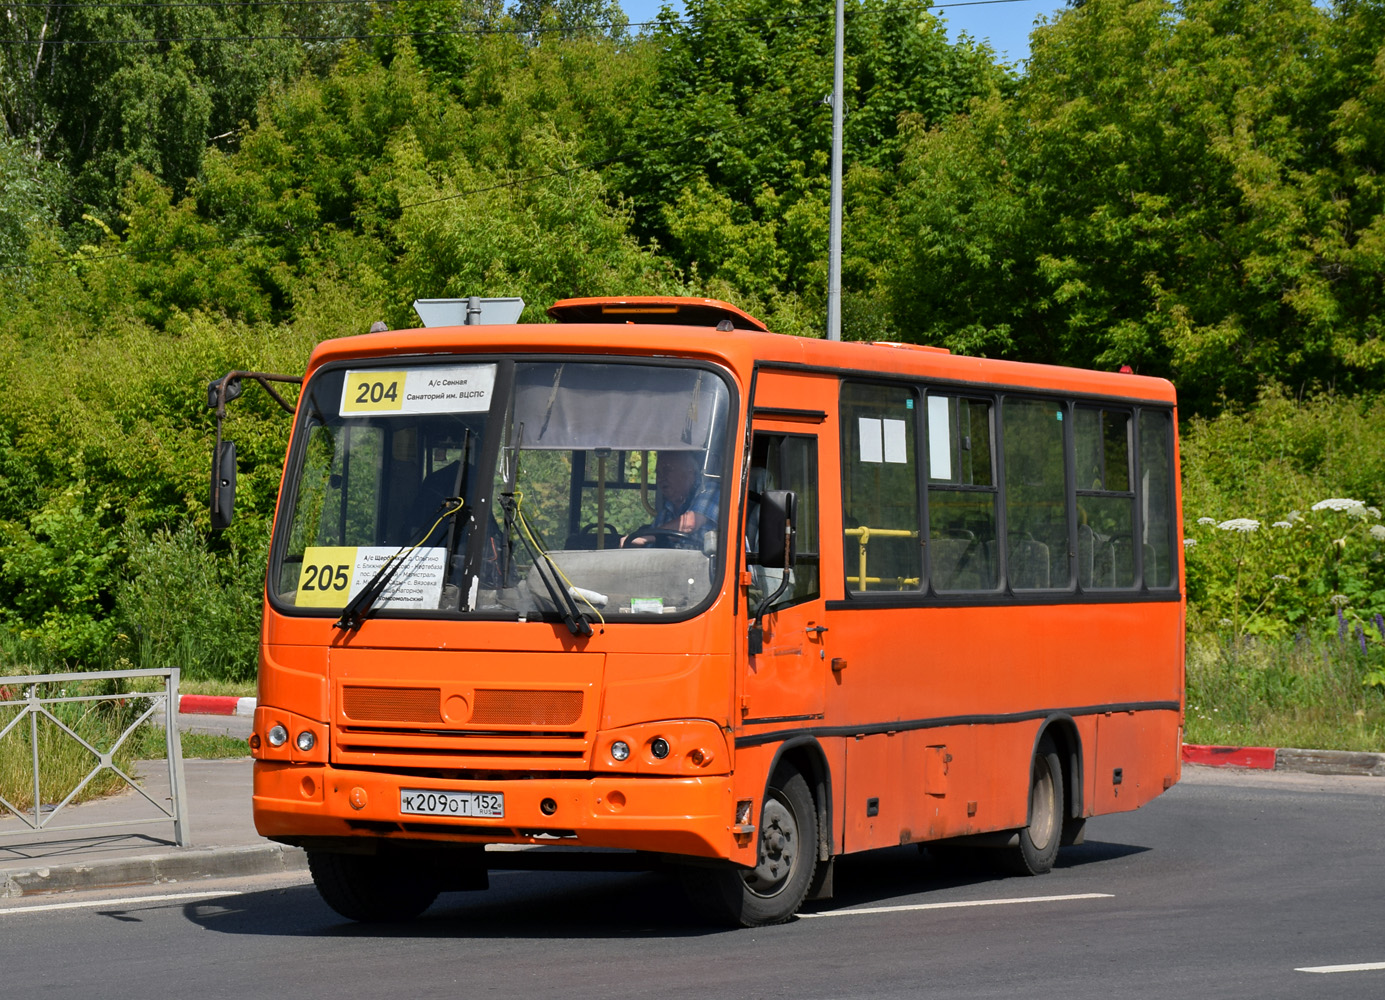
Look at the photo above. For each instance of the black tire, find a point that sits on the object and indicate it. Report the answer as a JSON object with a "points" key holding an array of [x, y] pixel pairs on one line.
{"points": [[370, 888], [772, 891], [1038, 842]]}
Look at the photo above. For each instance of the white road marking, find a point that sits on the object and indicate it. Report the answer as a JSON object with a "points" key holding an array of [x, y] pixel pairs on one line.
{"points": [[1360, 967], [123, 901], [959, 904]]}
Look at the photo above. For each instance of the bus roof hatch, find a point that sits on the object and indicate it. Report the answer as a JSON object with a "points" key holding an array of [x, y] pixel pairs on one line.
{"points": [[663, 309]]}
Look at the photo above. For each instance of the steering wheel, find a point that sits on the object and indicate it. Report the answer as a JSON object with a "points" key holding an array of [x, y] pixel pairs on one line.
{"points": [[662, 538], [612, 537]]}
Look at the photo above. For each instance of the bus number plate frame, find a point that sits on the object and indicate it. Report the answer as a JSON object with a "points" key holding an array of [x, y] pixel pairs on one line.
{"points": [[433, 802]]}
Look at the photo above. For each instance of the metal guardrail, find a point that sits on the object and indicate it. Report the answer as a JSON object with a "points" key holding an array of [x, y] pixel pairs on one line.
{"points": [[35, 706]]}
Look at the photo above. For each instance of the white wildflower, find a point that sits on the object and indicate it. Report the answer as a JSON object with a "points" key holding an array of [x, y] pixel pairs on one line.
{"points": [[1295, 516], [1225, 623], [1282, 524], [1340, 600], [1281, 577], [1378, 532], [1373, 512], [1190, 543], [1341, 503], [1241, 524], [1206, 520]]}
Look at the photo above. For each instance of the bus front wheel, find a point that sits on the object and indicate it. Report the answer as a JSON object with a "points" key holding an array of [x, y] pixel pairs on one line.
{"points": [[1037, 849], [772, 891], [370, 888]]}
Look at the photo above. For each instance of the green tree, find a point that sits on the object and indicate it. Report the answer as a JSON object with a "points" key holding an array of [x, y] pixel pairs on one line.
{"points": [[728, 163], [1190, 188]]}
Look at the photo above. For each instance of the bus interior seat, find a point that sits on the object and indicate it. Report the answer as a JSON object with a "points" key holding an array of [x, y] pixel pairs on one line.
{"points": [[1029, 568], [961, 561], [892, 561]]}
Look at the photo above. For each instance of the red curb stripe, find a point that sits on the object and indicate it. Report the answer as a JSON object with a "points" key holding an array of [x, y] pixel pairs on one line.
{"points": [[207, 704], [1261, 758]]}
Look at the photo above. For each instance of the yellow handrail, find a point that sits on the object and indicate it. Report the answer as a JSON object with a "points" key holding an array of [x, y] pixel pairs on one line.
{"points": [[864, 533]]}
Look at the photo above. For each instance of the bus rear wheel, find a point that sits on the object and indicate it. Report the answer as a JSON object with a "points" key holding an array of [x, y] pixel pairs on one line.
{"points": [[370, 888], [772, 891], [1037, 849]]}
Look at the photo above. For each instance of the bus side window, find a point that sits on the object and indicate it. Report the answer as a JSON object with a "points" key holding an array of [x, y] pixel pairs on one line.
{"points": [[1036, 501], [1156, 499], [880, 495], [785, 462], [961, 495], [1105, 502]]}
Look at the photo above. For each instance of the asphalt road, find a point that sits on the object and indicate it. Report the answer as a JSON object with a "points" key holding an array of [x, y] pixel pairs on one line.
{"points": [[1225, 887]]}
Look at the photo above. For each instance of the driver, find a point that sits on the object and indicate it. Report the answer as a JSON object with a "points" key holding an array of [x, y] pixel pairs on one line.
{"points": [[687, 504]]}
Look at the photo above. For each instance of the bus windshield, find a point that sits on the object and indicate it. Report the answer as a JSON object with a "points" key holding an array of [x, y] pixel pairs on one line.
{"points": [[533, 489]]}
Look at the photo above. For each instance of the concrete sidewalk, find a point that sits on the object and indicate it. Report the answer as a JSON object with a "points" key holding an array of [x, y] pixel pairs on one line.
{"points": [[223, 841]]}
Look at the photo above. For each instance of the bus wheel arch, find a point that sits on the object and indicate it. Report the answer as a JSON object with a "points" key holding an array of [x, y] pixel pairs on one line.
{"points": [[789, 843], [805, 755], [1035, 846], [1061, 730]]}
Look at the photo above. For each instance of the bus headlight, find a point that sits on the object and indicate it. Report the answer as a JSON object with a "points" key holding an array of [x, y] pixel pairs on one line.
{"points": [[306, 740], [277, 735], [620, 751]]}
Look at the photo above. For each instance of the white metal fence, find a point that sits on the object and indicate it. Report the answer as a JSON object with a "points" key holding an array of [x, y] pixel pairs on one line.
{"points": [[41, 692]]}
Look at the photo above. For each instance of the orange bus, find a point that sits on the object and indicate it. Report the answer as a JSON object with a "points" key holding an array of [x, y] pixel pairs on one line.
{"points": [[657, 580]]}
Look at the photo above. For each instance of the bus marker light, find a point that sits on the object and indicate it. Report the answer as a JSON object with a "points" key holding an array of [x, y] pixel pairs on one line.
{"points": [[620, 750], [306, 740], [659, 747], [743, 810], [277, 735], [358, 798], [700, 757]]}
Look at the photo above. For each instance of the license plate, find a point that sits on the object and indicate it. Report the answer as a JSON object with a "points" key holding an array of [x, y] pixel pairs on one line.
{"points": [[428, 802]]}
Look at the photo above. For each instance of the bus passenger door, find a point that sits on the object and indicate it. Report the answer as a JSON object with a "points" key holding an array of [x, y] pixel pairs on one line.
{"points": [[784, 682]]}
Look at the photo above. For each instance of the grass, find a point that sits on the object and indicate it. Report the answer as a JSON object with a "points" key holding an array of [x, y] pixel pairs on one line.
{"points": [[1308, 693], [63, 761]]}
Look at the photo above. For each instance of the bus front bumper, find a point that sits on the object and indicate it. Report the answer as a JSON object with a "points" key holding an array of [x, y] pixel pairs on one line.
{"points": [[300, 803]]}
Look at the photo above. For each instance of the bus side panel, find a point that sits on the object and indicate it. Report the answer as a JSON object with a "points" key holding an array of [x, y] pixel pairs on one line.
{"points": [[1133, 764]]}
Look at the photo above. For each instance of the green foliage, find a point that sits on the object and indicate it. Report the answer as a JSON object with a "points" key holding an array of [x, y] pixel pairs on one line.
{"points": [[1189, 187], [183, 606], [109, 108], [1269, 465], [1320, 570], [54, 570], [1307, 692], [30, 189], [731, 152]]}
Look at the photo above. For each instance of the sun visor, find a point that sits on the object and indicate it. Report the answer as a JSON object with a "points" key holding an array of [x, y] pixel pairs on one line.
{"points": [[621, 407]]}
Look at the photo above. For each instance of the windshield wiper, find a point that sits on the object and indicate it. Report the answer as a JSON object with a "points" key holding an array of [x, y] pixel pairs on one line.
{"points": [[357, 610], [573, 617]]}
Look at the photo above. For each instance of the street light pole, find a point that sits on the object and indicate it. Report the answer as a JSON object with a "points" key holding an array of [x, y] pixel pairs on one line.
{"points": [[834, 249]]}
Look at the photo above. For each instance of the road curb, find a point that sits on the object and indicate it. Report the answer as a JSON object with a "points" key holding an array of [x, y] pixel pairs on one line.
{"points": [[184, 866], [213, 704], [1342, 762]]}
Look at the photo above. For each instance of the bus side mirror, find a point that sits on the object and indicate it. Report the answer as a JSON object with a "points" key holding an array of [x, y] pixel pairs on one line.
{"points": [[778, 534], [222, 501]]}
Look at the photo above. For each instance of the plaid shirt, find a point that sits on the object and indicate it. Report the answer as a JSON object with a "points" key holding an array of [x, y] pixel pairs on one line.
{"points": [[703, 501]]}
